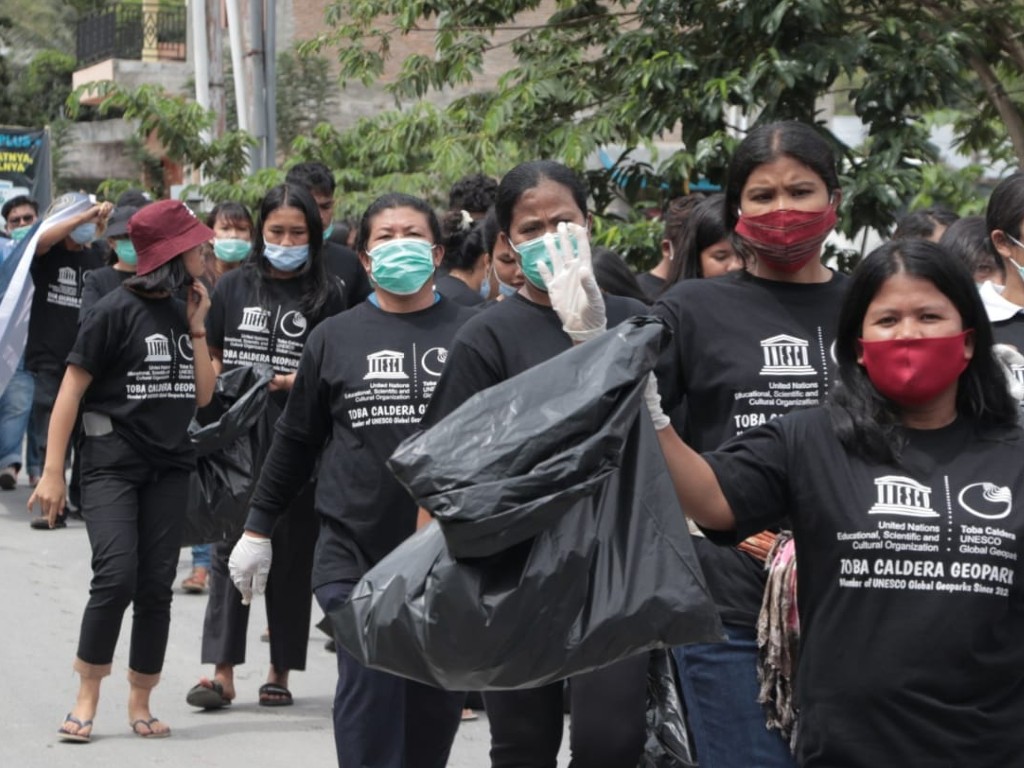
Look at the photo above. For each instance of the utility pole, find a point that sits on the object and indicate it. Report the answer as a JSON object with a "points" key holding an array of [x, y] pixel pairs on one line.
{"points": [[257, 73]]}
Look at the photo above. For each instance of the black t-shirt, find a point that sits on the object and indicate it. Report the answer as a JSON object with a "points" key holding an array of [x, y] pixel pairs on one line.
{"points": [[98, 283], [58, 277], [362, 387], [910, 588], [268, 326], [454, 289], [1011, 332], [139, 354], [745, 351], [508, 338], [343, 265], [652, 285]]}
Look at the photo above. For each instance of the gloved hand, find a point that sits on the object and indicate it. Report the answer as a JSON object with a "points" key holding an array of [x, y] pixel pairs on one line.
{"points": [[653, 400], [249, 565], [572, 287], [1008, 358]]}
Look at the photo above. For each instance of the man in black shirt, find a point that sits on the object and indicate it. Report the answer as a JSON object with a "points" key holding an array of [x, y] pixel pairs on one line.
{"points": [[64, 253], [342, 263], [19, 214]]}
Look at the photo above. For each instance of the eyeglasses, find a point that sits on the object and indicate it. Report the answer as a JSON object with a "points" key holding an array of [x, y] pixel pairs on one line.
{"points": [[28, 218]]}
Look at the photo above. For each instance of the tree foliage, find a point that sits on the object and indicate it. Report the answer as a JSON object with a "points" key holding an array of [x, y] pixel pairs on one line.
{"points": [[628, 73], [666, 88]]}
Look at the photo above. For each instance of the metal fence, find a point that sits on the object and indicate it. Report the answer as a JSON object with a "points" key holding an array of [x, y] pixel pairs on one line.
{"points": [[122, 30]]}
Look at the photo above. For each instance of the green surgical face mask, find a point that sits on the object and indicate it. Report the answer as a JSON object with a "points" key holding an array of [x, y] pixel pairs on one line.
{"points": [[328, 231], [402, 266], [534, 252], [17, 235], [231, 250], [126, 251]]}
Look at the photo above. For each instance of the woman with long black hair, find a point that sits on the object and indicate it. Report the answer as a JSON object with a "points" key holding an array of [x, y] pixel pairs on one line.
{"points": [[139, 368], [748, 347], [262, 313], [363, 385], [902, 493]]}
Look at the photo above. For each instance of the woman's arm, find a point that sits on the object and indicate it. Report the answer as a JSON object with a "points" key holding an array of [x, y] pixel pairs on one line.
{"points": [[202, 363], [700, 495], [50, 492], [697, 487]]}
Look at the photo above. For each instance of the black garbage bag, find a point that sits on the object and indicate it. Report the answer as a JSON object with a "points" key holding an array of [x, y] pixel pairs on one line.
{"points": [[230, 437], [667, 743], [559, 545]]}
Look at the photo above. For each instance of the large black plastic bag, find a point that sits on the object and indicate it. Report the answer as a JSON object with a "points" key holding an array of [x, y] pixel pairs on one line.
{"points": [[572, 551], [229, 438], [667, 743]]}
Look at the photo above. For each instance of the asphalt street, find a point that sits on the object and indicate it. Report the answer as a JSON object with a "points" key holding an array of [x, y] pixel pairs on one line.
{"points": [[44, 581]]}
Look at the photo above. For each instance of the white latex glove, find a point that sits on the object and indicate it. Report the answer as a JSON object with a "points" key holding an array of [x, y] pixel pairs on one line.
{"points": [[1008, 357], [653, 400], [572, 287], [249, 565]]}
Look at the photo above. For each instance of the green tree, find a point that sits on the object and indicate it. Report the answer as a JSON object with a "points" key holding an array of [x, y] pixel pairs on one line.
{"points": [[627, 73]]}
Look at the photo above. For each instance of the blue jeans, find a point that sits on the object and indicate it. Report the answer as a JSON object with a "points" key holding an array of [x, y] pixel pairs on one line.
{"points": [[15, 407], [720, 688], [201, 555]]}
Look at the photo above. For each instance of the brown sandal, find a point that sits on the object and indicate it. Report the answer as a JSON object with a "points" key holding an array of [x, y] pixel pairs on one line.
{"points": [[195, 583]]}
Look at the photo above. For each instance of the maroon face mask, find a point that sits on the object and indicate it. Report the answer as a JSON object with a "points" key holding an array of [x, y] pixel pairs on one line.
{"points": [[787, 240], [911, 372]]}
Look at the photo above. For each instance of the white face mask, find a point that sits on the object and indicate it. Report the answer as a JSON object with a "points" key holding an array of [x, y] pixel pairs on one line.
{"points": [[1019, 244]]}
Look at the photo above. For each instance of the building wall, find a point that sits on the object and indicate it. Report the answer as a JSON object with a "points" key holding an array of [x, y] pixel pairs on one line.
{"points": [[300, 20]]}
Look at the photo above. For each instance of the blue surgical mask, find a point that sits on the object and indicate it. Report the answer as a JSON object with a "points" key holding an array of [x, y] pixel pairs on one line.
{"points": [[17, 235], [126, 251], [84, 234], [328, 231], [402, 266], [231, 250], [286, 258], [507, 290], [485, 288], [534, 252]]}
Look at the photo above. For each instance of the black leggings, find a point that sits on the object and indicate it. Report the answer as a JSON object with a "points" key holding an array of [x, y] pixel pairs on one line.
{"points": [[289, 594], [134, 515], [607, 721]]}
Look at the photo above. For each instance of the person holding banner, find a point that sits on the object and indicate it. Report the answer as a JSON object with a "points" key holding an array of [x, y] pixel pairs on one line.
{"points": [[64, 253], [20, 214], [139, 367]]}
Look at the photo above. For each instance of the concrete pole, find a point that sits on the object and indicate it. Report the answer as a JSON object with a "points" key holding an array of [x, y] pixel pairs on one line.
{"points": [[256, 57], [270, 64], [238, 63], [215, 46]]}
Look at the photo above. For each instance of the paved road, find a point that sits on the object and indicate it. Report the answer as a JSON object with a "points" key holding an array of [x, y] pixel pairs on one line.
{"points": [[44, 578]]}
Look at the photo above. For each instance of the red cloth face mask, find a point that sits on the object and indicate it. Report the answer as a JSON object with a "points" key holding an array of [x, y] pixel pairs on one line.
{"points": [[787, 240], [912, 372]]}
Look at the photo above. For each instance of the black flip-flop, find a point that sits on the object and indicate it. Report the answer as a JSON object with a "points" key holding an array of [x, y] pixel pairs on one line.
{"points": [[207, 696], [274, 695]]}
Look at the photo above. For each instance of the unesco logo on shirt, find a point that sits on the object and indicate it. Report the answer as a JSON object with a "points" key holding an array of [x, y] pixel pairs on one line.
{"points": [[433, 360]]}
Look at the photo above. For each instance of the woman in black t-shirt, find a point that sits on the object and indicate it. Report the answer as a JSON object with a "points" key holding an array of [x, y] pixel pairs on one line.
{"points": [[748, 347], [232, 228], [506, 339], [902, 492], [466, 258], [364, 382], [262, 314], [139, 367]]}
